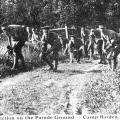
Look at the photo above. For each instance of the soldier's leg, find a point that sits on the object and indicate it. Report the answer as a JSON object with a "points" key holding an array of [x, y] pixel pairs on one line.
{"points": [[16, 55], [71, 56], [44, 57], [92, 50], [55, 56], [110, 63], [15, 61], [22, 59], [79, 54], [104, 58], [86, 49], [100, 53], [89, 50], [115, 55], [75, 54], [115, 62], [99, 47], [109, 58], [19, 52]]}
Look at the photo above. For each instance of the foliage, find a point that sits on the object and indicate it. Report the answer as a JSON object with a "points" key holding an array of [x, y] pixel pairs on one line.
{"points": [[59, 12]]}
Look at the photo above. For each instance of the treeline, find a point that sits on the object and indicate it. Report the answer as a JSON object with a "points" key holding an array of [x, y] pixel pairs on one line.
{"points": [[60, 12]]}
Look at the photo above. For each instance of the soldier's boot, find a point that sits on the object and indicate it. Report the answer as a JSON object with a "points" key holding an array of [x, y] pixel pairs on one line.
{"points": [[50, 64], [15, 62], [104, 59], [79, 56]]}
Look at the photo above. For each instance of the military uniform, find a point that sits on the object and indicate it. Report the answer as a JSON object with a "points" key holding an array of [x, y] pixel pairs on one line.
{"points": [[85, 39], [75, 48], [71, 47], [17, 37], [50, 38], [113, 50], [101, 45], [91, 43]]}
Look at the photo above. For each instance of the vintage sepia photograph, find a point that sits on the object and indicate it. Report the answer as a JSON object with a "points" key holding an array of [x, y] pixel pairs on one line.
{"points": [[59, 59]]}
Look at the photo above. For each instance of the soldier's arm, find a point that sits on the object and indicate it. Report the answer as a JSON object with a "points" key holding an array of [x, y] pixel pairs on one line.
{"points": [[82, 36], [43, 37], [9, 40]]}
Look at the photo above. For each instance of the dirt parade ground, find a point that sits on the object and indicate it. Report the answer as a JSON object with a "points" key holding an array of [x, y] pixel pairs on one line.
{"points": [[84, 88]]}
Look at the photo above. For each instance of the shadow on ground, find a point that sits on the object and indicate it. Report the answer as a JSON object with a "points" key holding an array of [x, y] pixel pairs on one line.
{"points": [[95, 71], [71, 72], [5, 70]]}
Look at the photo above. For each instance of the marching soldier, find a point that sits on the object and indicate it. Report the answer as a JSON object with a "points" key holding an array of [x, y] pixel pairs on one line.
{"points": [[111, 45], [50, 38], [85, 39], [70, 47], [75, 48], [101, 46], [91, 43]]}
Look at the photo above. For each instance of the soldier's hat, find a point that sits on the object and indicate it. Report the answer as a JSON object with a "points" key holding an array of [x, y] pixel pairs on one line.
{"points": [[4, 28], [46, 27], [92, 30], [101, 27]]}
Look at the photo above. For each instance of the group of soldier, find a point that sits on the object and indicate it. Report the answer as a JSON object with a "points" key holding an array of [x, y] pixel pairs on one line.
{"points": [[107, 42], [108, 45], [17, 36]]}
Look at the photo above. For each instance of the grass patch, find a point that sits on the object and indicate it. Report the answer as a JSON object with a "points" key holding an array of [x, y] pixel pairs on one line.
{"points": [[101, 94]]}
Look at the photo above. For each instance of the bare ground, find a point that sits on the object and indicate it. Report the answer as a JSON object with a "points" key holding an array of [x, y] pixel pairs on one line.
{"points": [[74, 89]]}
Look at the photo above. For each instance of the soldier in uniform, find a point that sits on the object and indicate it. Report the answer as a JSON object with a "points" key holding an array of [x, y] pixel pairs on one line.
{"points": [[111, 41], [103, 44], [50, 38], [17, 36], [100, 41], [75, 48], [91, 43], [85, 39]]}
